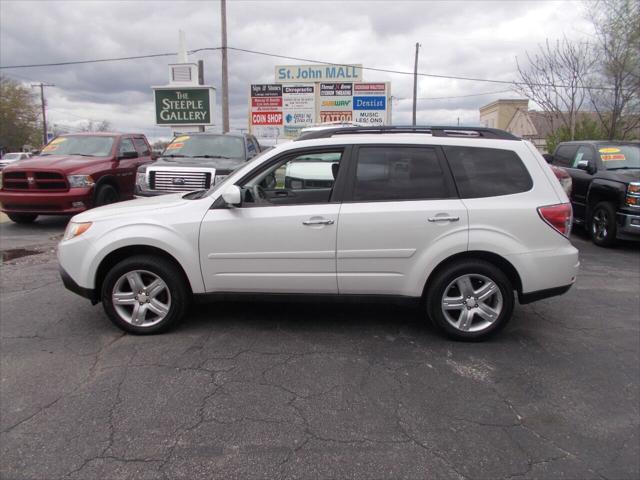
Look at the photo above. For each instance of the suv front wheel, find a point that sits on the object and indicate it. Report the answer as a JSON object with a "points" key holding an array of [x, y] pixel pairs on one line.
{"points": [[470, 300], [145, 294]]}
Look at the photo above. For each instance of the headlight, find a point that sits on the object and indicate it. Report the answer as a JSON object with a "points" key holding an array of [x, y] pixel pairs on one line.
{"points": [[75, 229], [633, 188], [141, 179], [633, 194], [80, 181]]}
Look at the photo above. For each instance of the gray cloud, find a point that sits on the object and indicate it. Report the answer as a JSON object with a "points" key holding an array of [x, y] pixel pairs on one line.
{"points": [[479, 39]]}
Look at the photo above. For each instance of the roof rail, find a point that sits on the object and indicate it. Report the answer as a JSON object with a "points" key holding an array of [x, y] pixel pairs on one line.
{"points": [[438, 131]]}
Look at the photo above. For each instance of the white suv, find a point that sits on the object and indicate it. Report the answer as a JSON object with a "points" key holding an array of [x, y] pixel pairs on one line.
{"points": [[460, 218]]}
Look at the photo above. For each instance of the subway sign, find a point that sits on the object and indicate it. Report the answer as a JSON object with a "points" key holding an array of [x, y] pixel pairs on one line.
{"points": [[184, 105]]}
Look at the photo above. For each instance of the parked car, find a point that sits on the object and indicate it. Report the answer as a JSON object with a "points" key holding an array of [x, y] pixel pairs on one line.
{"points": [[195, 161], [606, 187], [458, 217], [73, 173], [11, 157]]}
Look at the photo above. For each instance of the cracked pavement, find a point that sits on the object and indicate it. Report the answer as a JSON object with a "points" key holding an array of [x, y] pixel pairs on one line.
{"points": [[294, 390]]}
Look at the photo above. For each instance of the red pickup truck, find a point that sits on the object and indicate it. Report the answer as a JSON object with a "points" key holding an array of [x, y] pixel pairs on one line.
{"points": [[73, 173]]}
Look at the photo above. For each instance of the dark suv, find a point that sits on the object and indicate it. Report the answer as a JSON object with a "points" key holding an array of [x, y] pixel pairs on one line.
{"points": [[606, 187], [195, 161], [73, 173]]}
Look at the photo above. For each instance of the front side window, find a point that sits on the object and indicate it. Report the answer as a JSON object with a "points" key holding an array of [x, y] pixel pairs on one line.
{"points": [[84, 145], [487, 172], [142, 147], [296, 179], [398, 173], [585, 153], [126, 146]]}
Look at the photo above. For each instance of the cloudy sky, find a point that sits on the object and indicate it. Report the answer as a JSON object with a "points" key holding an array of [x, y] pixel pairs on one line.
{"points": [[478, 39]]}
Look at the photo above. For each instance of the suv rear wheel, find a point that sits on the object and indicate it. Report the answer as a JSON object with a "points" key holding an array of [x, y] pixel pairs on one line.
{"points": [[603, 226], [22, 217], [145, 294], [470, 300]]}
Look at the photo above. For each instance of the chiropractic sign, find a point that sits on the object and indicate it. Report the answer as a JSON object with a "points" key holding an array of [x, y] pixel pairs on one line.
{"points": [[190, 106]]}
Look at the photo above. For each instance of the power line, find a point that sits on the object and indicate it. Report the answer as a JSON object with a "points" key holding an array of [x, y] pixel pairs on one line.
{"points": [[302, 59], [462, 96]]}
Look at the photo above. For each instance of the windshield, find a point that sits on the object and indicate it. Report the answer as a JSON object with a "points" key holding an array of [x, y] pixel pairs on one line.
{"points": [[85, 145], [207, 146], [12, 156], [619, 157]]}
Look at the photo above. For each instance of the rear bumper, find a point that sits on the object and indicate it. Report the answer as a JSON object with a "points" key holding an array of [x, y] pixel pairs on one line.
{"points": [[71, 285], [530, 297], [47, 203]]}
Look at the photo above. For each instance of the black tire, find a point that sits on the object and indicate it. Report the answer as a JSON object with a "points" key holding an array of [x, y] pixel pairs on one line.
{"points": [[105, 195], [602, 224], [168, 272], [22, 217], [473, 269]]}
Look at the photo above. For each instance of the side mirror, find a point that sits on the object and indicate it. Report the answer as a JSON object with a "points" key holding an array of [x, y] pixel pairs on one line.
{"points": [[232, 196], [548, 157], [585, 165], [128, 155]]}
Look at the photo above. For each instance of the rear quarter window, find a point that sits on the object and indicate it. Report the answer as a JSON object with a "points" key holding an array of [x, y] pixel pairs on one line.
{"points": [[487, 172]]}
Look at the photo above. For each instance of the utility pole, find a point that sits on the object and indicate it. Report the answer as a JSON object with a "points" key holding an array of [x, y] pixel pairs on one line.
{"points": [[201, 82], [44, 109], [415, 84], [225, 74]]}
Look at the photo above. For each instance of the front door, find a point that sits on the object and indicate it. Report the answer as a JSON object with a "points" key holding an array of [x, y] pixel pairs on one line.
{"points": [[282, 238]]}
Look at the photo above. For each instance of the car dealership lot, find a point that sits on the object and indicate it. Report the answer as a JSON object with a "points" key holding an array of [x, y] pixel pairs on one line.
{"points": [[298, 390]]}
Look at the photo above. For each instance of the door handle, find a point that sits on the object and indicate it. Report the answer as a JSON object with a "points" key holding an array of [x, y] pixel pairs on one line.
{"points": [[318, 222], [443, 219]]}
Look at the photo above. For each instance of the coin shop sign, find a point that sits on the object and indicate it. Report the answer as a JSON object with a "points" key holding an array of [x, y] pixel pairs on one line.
{"points": [[184, 106]]}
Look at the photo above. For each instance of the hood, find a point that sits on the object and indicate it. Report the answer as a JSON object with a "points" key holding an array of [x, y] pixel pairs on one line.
{"points": [[67, 163], [624, 176], [133, 207], [197, 162]]}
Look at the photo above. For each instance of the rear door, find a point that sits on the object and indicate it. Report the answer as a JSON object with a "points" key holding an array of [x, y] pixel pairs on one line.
{"points": [[400, 216], [143, 149]]}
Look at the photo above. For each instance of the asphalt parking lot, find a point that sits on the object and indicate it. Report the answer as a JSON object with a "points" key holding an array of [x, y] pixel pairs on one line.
{"points": [[289, 390]]}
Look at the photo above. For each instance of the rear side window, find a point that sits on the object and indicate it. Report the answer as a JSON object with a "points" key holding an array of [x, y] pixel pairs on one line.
{"points": [[564, 155], [398, 173], [487, 172]]}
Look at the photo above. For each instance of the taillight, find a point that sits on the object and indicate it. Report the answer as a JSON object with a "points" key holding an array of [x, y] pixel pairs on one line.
{"points": [[558, 216]]}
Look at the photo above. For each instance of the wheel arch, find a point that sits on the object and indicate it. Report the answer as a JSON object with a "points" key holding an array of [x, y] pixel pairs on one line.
{"points": [[119, 254], [502, 263]]}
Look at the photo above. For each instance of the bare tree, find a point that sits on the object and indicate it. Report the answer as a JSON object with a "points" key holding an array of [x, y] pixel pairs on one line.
{"points": [[554, 78], [617, 27], [91, 126]]}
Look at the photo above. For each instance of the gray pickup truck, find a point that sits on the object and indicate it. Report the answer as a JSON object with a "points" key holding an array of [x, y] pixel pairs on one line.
{"points": [[195, 161]]}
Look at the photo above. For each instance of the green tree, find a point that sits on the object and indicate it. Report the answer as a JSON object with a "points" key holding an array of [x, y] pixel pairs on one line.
{"points": [[19, 116], [585, 129]]}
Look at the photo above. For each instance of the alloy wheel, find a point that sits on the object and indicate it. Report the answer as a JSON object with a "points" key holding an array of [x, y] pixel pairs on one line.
{"points": [[472, 302], [141, 298], [600, 224]]}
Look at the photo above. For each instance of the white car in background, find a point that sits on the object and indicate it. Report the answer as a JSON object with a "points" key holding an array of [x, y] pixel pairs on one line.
{"points": [[11, 157]]}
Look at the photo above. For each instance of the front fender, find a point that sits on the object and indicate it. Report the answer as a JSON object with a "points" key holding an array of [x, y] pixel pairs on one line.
{"points": [[182, 247]]}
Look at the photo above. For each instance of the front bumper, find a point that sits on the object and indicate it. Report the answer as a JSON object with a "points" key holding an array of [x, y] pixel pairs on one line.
{"points": [[139, 193], [46, 203], [71, 285], [628, 226]]}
